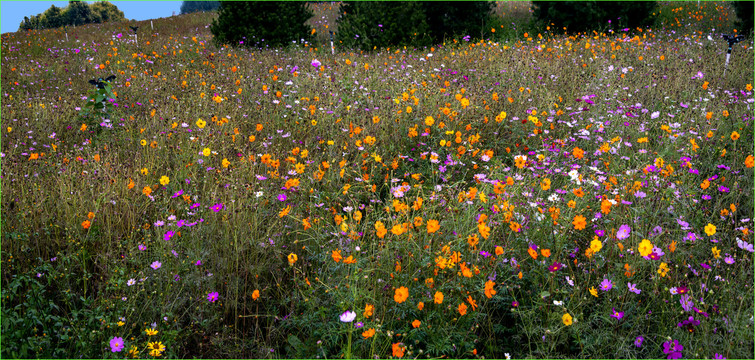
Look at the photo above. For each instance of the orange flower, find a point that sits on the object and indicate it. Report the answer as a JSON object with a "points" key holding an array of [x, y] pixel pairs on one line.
{"points": [[349, 260], [432, 226], [292, 258], [498, 251], [90, 215], [336, 255], [489, 291], [86, 224], [398, 350], [545, 252], [438, 298], [416, 323], [369, 333], [130, 184], [255, 295], [147, 190], [750, 161], [284, 212], [579, 222], [368, 310], [401, 294], [420, 306], [532, 252], [462, 309], [578, 153], [734, 136]]}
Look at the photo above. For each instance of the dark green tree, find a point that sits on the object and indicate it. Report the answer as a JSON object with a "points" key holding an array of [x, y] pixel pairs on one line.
{"points": [[581, 16], [78, 13], [188, 7], [106, 11], [370, 24], [261, 23], [457, 18], [53, 18], [744, 10]]}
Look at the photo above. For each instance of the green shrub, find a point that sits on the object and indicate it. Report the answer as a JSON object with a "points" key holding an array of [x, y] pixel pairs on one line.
{"points": [[744, 10], [188, 7], [372, 24], [259, 24], [579, 16]]}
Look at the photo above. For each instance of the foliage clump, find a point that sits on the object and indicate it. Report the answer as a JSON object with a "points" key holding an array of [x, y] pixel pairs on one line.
{"points": [[188, 7], [260, 24], [581, 16], [76, 13]]}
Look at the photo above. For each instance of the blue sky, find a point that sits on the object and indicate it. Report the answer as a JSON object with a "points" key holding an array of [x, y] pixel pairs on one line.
{"points": [[13, 12]]}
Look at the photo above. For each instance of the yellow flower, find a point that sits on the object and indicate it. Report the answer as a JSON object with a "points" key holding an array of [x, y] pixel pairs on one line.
{"points": [[143, 142], [645, 247], [292, 258], [716, 252], [710, 229], [429, 121], [145, 171], [663, 269], [151, 331], [567, 319], [206, 152], [596, 245], [201, 123], [734, 136], [225, 163], [594, 291], [164, 180]]}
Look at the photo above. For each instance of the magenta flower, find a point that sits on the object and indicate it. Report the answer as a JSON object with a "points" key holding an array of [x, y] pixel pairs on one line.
{"points": [[212, 297], [673, 349], [282, 197], [623, 232], [116, 344], [606, 285], [617, 314], [555, 267], [168, 235], [638, 341], [156, 265], [217, 207]]}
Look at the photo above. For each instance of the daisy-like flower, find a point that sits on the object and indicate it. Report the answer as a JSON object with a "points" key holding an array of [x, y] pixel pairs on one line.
{"points": [[348, 316], [623, 232], [633, 288], [212, 297], [156, 265], [116, 344], [606, 285], [131, 282]]}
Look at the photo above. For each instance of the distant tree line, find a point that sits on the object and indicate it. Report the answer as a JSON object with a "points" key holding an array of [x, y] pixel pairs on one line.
{"points": [[76, 13], [188, 7]]}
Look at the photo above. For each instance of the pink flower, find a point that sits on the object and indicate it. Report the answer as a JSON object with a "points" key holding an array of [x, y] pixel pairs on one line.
{"points": [[116, 344], [212, 297]]}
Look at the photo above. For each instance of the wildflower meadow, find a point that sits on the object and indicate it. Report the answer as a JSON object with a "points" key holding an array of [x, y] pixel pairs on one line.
{"points": [[525, 193]]}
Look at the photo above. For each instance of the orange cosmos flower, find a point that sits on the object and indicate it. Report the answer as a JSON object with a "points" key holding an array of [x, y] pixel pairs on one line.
{"points": [[398, 350], [86, 224], [578, 153], [284, 212], [147, 190], [292, 258], [401, 294], [369, 333], [432, 226], [498, 251], [579, 222], [337, 255], [545, 252], [438, 298], [416, 323], [255, 295], [420, 306], [532, 252], [462, 309], [489, 291], [368, 310], [734, 136]]}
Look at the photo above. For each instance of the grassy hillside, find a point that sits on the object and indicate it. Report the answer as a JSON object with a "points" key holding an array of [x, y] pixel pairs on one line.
{"points": [[531, 194]]}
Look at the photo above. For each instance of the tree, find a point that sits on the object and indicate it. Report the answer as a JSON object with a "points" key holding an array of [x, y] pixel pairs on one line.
{"points": [[581, 16], [261, 23], [188, 7], [744, 10], [53, 18], [78, 13], [107, 11], [372, 24]]}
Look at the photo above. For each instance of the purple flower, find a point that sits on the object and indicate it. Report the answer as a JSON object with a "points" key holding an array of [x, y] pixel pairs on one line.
{"points": [[116, 344], [690, 324], [623, 232], [555, 267], [282, 197], [358, 324], [142, 247], [633, 288], [156, 265], [217, 207], [673, 349], [168, 235], [316, 63], [729, 260], [686, 302], [177, 194], [638, 341], [198, 263], [617, 314], [718, 356], [212, 297], [703, 313], [606, 285]]}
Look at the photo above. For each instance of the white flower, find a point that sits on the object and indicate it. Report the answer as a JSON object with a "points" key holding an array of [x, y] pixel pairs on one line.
{"points": [[258, 194], [348, 316], [507, 355], [131, 282], [558, 303]]}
